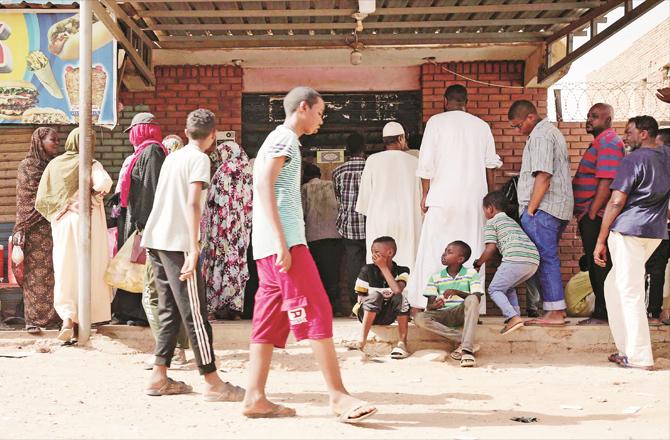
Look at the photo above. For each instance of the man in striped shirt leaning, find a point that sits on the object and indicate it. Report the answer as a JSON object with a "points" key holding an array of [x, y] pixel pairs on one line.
{"points": [[520, 258], [591, 188]]}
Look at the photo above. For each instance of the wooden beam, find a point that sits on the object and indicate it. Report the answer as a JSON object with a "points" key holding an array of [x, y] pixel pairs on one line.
{"points": [[121, 15], [261, 41], [474, 9], [368, 25], [594, 41], [585, 19], [102, 15]]}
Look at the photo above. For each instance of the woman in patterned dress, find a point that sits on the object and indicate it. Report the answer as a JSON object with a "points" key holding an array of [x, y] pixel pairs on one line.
{"points": [[32, 233], [226, 228]]}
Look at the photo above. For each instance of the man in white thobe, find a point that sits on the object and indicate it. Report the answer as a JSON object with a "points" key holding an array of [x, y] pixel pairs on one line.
{"points": [[456, 163], [389, 196]]}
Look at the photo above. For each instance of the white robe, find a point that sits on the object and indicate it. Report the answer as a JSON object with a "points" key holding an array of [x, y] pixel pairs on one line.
{"points": [[65, 233], [456, 149], [390, 197]]}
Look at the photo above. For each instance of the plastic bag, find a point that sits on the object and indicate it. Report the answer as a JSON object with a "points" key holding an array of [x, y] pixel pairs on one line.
{"points": [[17, 255], [122, 273], [579, 297]]}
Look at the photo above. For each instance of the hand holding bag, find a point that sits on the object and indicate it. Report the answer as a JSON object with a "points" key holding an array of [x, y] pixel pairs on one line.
{"points": [[124, 274], [138, 254]]}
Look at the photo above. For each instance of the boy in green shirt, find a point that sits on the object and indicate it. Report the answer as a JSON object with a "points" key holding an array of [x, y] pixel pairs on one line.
{"points": [[453, 301]]}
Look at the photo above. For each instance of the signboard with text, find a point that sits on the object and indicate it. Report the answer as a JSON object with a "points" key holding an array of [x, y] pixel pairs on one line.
{"points": [[39, 69]]}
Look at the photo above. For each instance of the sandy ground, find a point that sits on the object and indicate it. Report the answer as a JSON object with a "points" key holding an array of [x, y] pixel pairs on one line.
{"points": [[96, 392]]}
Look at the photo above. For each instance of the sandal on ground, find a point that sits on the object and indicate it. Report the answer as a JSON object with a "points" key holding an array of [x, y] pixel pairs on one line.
{"points": [[399, 351], [170, 387], [623, 363], [468, 360], [232, 393], [666, 321], [66, 333], [509, 327], [347, 415], [276, 412], [615, 358], [33, 330], [458, 353], [654, 322]]}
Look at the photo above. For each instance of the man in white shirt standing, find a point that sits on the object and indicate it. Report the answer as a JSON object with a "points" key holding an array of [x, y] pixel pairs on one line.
{"points": [[389, 196], [456, 163]]}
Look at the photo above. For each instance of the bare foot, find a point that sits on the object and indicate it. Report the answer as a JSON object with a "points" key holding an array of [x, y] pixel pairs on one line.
{"points": [[263, 408]]}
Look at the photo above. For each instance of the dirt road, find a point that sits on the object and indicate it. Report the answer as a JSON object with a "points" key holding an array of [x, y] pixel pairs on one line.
{"points": [[96, 392]]}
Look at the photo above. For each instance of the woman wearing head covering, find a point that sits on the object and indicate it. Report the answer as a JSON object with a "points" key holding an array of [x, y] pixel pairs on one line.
{"points": [[225, 229], [32, 233], [57, 202], [136, 187]]}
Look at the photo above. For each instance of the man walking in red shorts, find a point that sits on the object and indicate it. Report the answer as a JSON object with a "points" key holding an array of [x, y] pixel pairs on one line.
{"points": [[291, 296]]}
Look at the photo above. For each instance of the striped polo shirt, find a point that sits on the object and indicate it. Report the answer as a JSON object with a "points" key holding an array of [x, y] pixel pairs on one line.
{"points": [[282, 142], [511, 241], [467, 280], [600, 161]]}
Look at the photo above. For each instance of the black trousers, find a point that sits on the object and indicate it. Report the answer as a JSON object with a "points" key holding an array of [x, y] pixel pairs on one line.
{"points": [[589, 230], [354, 260], [327, 255], [181, 301], [655, 278]]}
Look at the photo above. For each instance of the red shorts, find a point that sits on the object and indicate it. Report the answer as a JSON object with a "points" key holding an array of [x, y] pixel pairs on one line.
{"points": [[291, 301]]}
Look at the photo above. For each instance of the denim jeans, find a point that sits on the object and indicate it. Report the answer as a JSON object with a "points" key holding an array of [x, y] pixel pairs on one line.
{"points": [[502, 289], [545, 231]]}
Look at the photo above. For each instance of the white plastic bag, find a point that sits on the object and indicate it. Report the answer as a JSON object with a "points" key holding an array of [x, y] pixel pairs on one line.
{"points": [[122, 273], [17, 255]]}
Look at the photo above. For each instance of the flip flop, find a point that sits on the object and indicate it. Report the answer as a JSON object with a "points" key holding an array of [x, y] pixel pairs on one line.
{"points": [[171, 387], [232, 393], [66, 334], [399, 352], [615, 358], [592, 321], [277, 411], [544, 323], [623, 363], [345, 416], [33, 330], [458, 353], [507, 329], [468, 360]]}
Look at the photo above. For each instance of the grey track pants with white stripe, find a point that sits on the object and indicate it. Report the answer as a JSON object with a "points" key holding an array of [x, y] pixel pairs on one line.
{"points": [[181, 301]]}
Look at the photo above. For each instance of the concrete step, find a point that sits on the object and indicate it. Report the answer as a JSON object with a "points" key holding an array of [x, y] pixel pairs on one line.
{"points": [[530, 340]]}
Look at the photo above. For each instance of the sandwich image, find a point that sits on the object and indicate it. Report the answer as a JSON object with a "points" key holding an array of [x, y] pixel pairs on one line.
{"points": [[63, 37], [45, 115], [15, 98], [98, 87], [38, 63]]}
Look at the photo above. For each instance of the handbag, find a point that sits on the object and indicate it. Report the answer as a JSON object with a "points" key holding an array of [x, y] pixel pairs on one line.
{"points": [[138, 255]]}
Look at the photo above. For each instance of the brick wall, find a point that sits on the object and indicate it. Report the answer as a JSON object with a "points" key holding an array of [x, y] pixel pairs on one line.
{"points": [[181, 89], [491, 104]]}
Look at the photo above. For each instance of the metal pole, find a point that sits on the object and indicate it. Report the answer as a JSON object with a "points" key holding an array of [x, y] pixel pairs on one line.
{"points": [[85, 158]]}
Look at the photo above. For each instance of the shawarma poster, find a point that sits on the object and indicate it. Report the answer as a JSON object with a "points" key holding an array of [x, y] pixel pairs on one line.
{"points": [[39, 69]]}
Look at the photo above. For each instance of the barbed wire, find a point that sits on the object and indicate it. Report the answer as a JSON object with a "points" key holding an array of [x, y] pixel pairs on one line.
{"points": [[571, 101]]}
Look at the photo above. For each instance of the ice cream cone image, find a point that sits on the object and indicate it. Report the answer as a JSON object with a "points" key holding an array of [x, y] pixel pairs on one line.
{"points": [[38, 63]]}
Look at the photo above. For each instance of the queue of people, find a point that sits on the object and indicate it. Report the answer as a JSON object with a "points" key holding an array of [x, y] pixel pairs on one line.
{"points": [[428, 226]]}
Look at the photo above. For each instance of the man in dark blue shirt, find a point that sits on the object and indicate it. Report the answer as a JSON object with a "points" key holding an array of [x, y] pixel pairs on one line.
{"points": [[634, 224]]}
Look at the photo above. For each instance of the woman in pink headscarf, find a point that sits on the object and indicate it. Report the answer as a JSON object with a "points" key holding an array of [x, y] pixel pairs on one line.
{"points": [[136, 189]]}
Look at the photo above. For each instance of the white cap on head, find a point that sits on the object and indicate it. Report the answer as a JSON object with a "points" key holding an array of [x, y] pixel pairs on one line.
{"points": [[392, 129]]}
